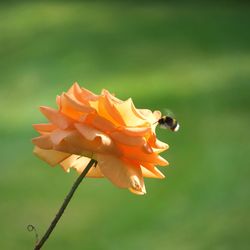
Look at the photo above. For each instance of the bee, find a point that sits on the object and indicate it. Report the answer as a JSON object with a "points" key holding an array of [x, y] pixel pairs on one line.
{"points": [[169, 122]]}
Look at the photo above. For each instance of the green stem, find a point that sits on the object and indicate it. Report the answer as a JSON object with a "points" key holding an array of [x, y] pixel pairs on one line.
{"points": [[64, 205]]}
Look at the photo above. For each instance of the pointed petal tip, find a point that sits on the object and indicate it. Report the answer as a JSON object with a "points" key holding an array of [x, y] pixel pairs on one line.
{"points": [[162, 161], [137, 185], [76, 84], [162, 177], [35, 140], [42, 141], [42, 108], [137, 191]]}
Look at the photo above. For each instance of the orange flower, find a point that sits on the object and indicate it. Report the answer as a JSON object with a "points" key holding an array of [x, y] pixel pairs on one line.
{"points": [[119, 136]]}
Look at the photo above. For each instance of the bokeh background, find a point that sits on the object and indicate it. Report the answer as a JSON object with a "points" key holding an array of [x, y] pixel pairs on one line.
{"points": [[192, 58]]}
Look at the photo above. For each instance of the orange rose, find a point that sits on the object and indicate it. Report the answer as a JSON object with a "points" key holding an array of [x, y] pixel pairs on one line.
{"points": [[120, 137]]}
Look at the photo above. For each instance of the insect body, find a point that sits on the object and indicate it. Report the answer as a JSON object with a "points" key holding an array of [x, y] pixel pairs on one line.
{"points": [[169, 122]]}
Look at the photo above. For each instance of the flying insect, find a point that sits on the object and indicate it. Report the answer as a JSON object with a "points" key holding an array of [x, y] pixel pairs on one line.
{"points": [[169, 123]]}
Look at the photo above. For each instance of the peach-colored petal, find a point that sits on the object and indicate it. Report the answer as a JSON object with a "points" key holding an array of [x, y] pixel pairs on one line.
{"points": [[73, 108], [159, 150], [44, 128], [157, 144], [74, 143], [150, 171], [121, 174], [129, 114], [68, 111], [157, 115], [43, 142], [135, 153], [94, 104], [134, 131], [55, 117], [128, 140], [160, 144], [102, 124], [73, 148], [76, 92], [79, 163], [58, 135], [111, 96], [88, 95], [52, 157], [150, 116], [68, 162], [137, 184], [82, 162], [108, 110], [105, 144], [147, 148], [161, 161], [91, 133], [76, 105], [81, 94]]}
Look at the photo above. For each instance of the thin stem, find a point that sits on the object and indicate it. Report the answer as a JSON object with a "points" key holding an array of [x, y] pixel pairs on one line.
{"points": [[64, 205]]}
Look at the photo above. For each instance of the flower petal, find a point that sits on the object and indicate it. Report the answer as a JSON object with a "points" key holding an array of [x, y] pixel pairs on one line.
{"points": [[129, 114], [82, 162], [73, 108], [44, 128], [150, 171], [138, 154], [43, 142], [52, 157], [120, 173], [79, 163], [134, 131], [55, 117], [76, 91], [151, 117], [68, 162], [102, 124], [58, 135], [111, 96], [137, 185], [74, 143], [128, 140], [105, 144], [157, 144], [81, 94], [107, 110], [90, 133], [74, 104]]}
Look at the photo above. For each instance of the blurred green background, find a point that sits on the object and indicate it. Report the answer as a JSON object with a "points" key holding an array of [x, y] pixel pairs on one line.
{"points": [[191, 58]]}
